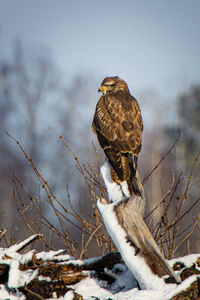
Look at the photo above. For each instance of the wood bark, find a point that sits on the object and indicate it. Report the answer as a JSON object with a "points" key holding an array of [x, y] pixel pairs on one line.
{"points": [[139, 236], [129, 214]]}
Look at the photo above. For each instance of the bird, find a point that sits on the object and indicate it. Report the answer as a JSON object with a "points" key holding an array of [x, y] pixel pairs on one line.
{"points": [[118, 125]]}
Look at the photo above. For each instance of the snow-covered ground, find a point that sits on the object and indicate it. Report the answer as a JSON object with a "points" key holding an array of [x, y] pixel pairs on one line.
{"points": [[123, 287]]}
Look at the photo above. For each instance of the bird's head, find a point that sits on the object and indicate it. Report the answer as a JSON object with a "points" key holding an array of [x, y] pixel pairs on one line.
{"points": [[112, 85]]}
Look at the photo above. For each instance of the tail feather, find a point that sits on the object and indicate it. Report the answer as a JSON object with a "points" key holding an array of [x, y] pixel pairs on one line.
{"points": [[123, 168], [114, 158], [132, 182]]}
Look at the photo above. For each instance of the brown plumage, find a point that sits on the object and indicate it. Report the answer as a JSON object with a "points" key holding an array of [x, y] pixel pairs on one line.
{"points": [[118, 125]]}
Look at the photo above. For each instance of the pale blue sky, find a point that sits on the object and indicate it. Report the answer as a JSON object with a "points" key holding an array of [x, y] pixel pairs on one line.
{"points": [[148, 43]]}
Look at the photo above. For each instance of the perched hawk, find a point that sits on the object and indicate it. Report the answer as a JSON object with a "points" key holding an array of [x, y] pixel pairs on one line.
{"points": [[118, 125]]}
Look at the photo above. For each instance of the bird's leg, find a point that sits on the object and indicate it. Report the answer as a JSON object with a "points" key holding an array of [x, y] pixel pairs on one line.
{"points": [[117, 180], [135, 162], [114, 175], [125, 167]]}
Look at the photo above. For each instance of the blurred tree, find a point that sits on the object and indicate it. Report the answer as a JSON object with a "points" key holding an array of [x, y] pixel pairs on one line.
{"points": [[8, 156], [32, 98], [188, 109]]}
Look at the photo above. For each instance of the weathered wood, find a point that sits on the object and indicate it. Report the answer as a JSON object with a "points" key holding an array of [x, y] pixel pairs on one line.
{"points": [[140, 200], [139, 236], [131, 231]]}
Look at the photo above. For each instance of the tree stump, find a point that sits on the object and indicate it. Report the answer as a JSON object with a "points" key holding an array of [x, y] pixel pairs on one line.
{"points": [[124, 222]]}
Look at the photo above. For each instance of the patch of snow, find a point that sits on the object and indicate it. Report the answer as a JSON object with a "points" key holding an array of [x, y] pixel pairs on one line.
{"points": [[187, 260], [125, 190], [19, 278], [64, 257], [6, 257], [140, 295], [27, 276], [43, 278], [69, 295], [19, 246], [50, 255], [90, 289], [14, 274], [113, 189], [25, 258], [8, 254], [5, 294]]}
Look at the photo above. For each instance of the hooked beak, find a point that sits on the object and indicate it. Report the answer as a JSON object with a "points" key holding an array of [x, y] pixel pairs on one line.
{"points": [[100, 89]]}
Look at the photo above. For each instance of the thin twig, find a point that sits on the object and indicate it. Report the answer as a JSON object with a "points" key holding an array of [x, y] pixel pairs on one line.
{"points": [[158, 164]]}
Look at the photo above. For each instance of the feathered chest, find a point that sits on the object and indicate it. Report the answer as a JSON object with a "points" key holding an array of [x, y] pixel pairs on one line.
{"points": [[113, 107]]}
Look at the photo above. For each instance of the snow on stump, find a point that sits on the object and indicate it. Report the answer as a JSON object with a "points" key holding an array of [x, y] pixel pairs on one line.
{"points": [[123, 218]]}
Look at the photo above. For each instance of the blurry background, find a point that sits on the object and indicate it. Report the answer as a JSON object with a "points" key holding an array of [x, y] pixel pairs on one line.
{"points": [[53, 57]]}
